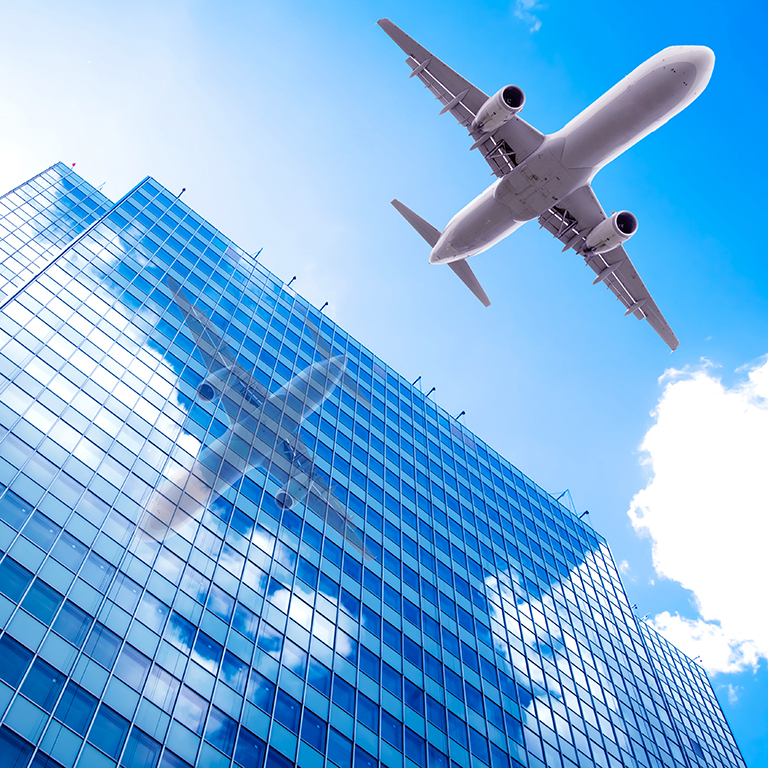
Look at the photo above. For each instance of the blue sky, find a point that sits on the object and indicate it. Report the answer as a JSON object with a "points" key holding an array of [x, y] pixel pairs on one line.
{"points": [[292, 126]]}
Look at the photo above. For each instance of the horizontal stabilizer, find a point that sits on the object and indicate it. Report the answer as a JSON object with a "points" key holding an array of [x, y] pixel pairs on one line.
{"points": [[427, 231], [467, 276]]}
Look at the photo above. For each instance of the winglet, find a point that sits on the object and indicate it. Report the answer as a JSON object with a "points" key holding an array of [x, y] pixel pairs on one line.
{"points": [[467, 276], [426, 230]]}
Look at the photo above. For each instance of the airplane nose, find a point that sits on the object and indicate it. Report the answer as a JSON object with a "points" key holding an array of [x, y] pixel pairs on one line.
{"points": [[703, 59]]}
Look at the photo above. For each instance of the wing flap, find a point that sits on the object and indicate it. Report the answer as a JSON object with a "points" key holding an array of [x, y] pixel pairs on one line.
{"points": [[571, 221], [503, 149]]}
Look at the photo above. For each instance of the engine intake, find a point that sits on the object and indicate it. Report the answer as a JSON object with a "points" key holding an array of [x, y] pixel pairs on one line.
{"points": [[611, 233], [207, 392], [291, 494], [500, 108]]}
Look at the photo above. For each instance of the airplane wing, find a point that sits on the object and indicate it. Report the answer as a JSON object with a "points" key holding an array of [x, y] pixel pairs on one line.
{"points": [[504, 148], [320, 496], [339, 516], [213, 348], [326, 352], [571, 222]]}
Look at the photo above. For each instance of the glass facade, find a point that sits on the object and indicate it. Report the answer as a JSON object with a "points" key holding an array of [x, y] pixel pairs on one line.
{"points": [[231, 535]]}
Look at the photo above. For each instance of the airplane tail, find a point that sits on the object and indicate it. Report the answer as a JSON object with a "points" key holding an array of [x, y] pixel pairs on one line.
{"points": [[427, 231], [432, 235]]}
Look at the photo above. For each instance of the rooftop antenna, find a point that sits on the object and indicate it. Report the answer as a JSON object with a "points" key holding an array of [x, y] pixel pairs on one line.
{"points": [[183, 190], [584, 514], [324, 306], [413, 384], [568, 501], [290, 281], [460, 415], [430, 392]]}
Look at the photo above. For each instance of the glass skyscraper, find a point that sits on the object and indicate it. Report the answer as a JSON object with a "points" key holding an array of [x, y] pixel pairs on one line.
{"points": [[231, 535]]}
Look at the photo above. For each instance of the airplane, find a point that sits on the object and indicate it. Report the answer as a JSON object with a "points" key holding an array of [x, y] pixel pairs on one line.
{"points": [[548, 177], [263, 429]]}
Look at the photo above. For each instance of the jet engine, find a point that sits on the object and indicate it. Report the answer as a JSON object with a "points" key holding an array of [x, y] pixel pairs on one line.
{"points": [[611, 233], [292, 493], [500, 108], [207, 392], [212, 385]]}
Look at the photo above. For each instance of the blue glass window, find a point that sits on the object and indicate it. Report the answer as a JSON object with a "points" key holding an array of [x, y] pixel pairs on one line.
{"points": [[414, 747], [319, 676], [41, 530], [436, 713], [207, 652], [457, 728], [14, 579], [392, 680], [190, 710], [42, 601], [13, 509], [142, 751], [109, 731], [343, 694], [43, 684], [103, 644], [261, 691], [180, 632], [97, 571], [339, 749], [313, 730], [276, 759], [43, 761], [220, 603], [73, 623], [245, 622], [221, 731], [478, 744], [434, 667], [363, 759], [392, 729], [287, 711], [15, 660], [161, 688], [368, 712], [414, 696], [437, 759], [76, 708], [234, 672], [250, 750], [132, 667], [152, 612], [14, 751]]}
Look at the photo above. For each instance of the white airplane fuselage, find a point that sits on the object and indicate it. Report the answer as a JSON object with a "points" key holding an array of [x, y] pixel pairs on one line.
{"points": [[643, 101], [260, 434]]}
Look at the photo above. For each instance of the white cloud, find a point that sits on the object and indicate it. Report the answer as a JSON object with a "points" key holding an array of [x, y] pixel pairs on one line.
{"points": [[705, 510], [734, 692], [719, 651], [526, 10]]}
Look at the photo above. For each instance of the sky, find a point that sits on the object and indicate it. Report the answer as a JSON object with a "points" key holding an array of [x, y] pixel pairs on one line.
{"points": [[293, 125]]}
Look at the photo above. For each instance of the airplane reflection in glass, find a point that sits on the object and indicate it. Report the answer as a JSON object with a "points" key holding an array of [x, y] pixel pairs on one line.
{"points": [[263, 432]]}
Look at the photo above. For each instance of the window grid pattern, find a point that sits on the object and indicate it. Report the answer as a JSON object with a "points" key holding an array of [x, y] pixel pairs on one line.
{"points": [[40, 218], [490, 627]]}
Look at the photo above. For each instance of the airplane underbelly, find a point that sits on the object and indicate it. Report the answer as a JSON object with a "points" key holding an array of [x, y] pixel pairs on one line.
{"points": [[475, 228], [535, 186]]}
